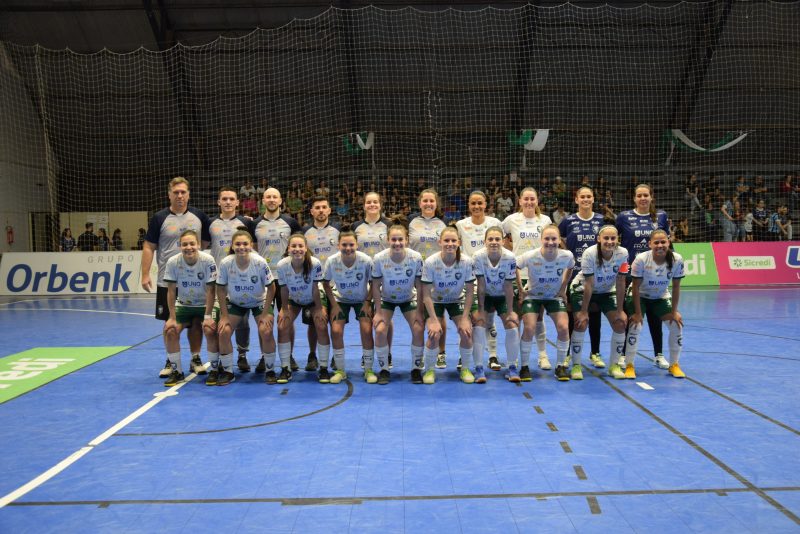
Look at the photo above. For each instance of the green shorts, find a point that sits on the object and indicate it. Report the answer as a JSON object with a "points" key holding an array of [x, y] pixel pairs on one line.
{"points": [[606, 302], [495, 304], [405, 307], [184, 315], [307, 317], [235, 309], [659, 307], [344, 315], [550, 306], [454, 309]]}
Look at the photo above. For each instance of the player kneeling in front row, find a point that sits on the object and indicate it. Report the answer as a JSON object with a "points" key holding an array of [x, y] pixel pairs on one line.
{"points": [[652, 272], [190, 278], [447, 284], [298, 276], [350, 272], [495, 271], [549, 270], [244, 283], [600, 284]]}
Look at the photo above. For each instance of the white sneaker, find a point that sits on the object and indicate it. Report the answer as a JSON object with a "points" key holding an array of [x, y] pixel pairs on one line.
{"points": [[544, 363], [597, 361], [339, 376], [621, 361], [661, 362]]}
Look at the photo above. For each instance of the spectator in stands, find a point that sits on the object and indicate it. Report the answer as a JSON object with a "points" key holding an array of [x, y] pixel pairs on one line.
{"points": [[739, 220], [787, 186], [692, 193], [294, 206], [608, 198], [779, 224], [67, 241], [560, 190], [742, 189], [609, 217], [87, 241], [263, 186], [710, 221], [585, 182], [342, 205], [680, 233], [748, 223], [759, 190], [323, 190], [116, 239], [559, 214], [602, 188], [726, 221], [140, 239], [503, 204], [544, 186], [249, 205], [760, 221], [247, 189], [103, 242]]}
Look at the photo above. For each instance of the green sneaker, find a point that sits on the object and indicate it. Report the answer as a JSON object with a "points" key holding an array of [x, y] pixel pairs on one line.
{"points": [[597, 361], [429, 377], [467, 376], [370, 377], [576, 373], [616, 371], [338, 377]]}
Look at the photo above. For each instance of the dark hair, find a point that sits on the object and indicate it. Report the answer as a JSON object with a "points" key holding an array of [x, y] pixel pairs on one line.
{"points": [[188, 232], [453, 228], [319, 198], [227, 188], [438, 211], [347, 231], [399, 222], [307, 257], [240, 231], [494, 229], [653, 215], [670, 254]]}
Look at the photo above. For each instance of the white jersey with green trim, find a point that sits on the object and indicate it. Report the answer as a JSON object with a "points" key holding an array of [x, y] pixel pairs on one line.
{"points": [[301, 286], [495, 276], [545, 277], [605, 275], [423, 235], [472, 235], [350, 284], [447, 281], [246, 288], [397, 279], [526, 234], [191, 280], [656, 278]]}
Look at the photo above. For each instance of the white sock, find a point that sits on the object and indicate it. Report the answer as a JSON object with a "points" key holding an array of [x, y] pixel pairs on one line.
{"points": [[369, 358], [675, 341], [323, 354], [478, 344], [416, 357], [430, 357], [175, 360], [491, 341], [465, 353], [269, 360], [632, 345], [525, 352], [562, 347], [383, 357], [577, 346], [541, 338], [338, 357], [512, 346], [227, 362], [618, 347], [285, 353], [213, 358]]}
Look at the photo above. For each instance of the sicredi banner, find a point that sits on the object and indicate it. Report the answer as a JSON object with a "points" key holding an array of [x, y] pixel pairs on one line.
{"points": [[71, 273], [699, 264], [758, 262]]}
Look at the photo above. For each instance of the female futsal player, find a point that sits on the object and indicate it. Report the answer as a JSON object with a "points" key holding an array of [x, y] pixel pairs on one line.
{"points": [[244, 283], [652, 272], [190, 278], [549, 270], [396, 274], [495, 271]]}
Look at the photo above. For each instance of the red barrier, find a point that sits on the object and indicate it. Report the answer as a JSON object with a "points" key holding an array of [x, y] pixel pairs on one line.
{"points": [[758, 262]]}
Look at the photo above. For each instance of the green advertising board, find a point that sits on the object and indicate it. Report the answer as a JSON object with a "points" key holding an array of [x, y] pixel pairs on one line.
{"points": [[701, 269]]}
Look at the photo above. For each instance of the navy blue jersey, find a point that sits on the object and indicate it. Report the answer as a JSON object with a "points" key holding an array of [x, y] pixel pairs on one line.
{"points": [[635, 229], [165, 229], [580, 234]]}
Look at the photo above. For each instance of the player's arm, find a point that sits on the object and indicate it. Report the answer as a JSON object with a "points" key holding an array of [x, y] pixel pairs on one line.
{"points": [[434, 327], [565, 278], [148, 252], [210, 297], [335, 308], [172, 295]]}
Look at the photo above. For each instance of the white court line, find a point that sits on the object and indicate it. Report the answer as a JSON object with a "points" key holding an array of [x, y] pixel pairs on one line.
{"points": [[91, 311], [83, 451], [645, 386]]}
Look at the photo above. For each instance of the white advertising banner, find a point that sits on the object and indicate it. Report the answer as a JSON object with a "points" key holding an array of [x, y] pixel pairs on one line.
{"points": [[72, 273]]}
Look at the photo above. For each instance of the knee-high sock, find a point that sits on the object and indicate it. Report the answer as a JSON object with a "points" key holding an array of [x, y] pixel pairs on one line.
{"points": [[512, 346], [227, 362], [338, 357], [323, 354], [416, 357], [478, 343], [632, 344], [491, 340], [465, 353], [369, 358], [675, 341], [618, 347], [383, 357], [562, 346], [213, 359], [525, 352], [577, 346], [541, 338], [430, 357], [285, 353], [175, 361], [269, 360], [594, 330]]}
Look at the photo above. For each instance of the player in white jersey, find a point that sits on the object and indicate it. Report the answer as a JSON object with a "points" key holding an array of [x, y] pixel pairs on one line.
{"points": [[423, 234], [549, 270], [322, 238], [472, 230], [524, 230], [396, 274], [244, 284], [346, 277], [652, 272], [600, 282], [448, 278], [299, 274], [190, 278], [495, 272]]}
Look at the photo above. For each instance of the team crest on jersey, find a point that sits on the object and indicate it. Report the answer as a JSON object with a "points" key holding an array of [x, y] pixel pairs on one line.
{"points": [[559, 271], [200, 276], [501, 275], [359, 276], [409, 272], [458, 276], [253, 279], [306, 279]]}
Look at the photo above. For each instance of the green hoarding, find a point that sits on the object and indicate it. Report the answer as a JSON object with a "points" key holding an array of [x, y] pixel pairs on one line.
{"points": [[701, 269]]}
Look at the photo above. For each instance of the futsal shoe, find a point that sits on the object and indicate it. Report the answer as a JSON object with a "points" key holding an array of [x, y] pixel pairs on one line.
{"points": [[441, 361], [293, 364], [429, 377], [285, 375], [630, 371], [479, 374], [544, 362], [175, 378], [616, 371], [390, 361], [197, 365], [525, 373], [166, 370], [621, 361], [242, 363], [338, 377], [576, 373], [494, 364], [225, 378], [597, 361], [562, 374], [369, 376], [211, 379], [661, 362], [416, 376], [512, 375], [384, 377], [261, 366], [676, 371], [323, 376], [270, 378], [312, 364], [466, 376]]}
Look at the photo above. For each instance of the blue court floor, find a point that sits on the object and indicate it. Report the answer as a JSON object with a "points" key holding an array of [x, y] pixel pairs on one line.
{"points": [[108, 448]]}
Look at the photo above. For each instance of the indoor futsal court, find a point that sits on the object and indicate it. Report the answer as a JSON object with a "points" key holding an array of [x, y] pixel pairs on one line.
{"points": [[716, 452]]}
